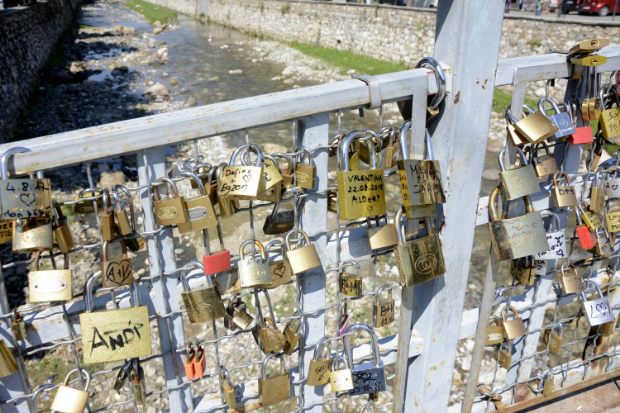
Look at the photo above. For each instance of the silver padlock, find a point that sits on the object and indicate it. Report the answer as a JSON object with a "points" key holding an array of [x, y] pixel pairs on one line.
{"points": [[368, 380], [597, 310], [612, 183], [559, 119], [556, 239]]}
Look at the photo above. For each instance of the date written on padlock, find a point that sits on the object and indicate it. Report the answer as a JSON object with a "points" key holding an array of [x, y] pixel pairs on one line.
{"points": [[25, 198]]}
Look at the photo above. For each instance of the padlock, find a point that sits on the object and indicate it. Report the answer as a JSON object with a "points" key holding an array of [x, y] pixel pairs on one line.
{"points": [[32, 235], [383, 310], [587, 238], [6, 231], [517, 139], [519, 236], [236, 314], [280, 270], [332, 200], [114, 335], [253, 271], [22, 198], [518, 182], [588, 46], [116, 272], [280, 222], [137, 383], [171, 211], [18, 326], [190, 355], [270, 189], [202, 304], [70, 400], [420, 211], [211, 187], [199, 210], [8, 365], [361, 193], [524, 270], [560, 119], [51, 285], [513, 328], [420, 179], [201, 170], [549, 385], [228, 390], [200, 362], [553, 339], [381, 236], [350, 284], [504, 357], [495, 332], [186, 165], [134, 242], [379, 145], [305, 172], [343, 325], [612, 215], [304, 258], [593, 157], [269, 339], [241, 182], [605, 329], [123, 225], [543, 165], [564, 196], [288, 177], [597, 194], [340, 380], [366, 380], [228, 206], [219, 261], [106, 219], [419, 260], [393, 148], [88, 206], [318, 371], [292, 335], [612, 183], [593, 222], [536, 127], [555, 238], [604, 243], [62, 232], [609, 119], [123, 375], [583, 134], [274, 388], [597, 310]]}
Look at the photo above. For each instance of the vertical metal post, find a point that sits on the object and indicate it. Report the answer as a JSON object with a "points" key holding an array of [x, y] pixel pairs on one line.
{"points": [[314, 132], [460, 138], [615, 8], [152, 165]]}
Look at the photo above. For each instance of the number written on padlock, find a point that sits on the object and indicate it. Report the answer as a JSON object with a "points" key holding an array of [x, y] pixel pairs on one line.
{"points": [[25, 198]]}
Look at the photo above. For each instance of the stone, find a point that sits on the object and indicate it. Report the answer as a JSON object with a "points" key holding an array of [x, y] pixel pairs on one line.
{"points": [[214, 78], [162, 51], [156, 23], [118, 71], [157, 30], [157, 89], [540, 92], [173, 82], [128, 31], [351, 72], [270, 148], [191, 102], [111, 179], [235, 72], [466, 363], [77, 67]]}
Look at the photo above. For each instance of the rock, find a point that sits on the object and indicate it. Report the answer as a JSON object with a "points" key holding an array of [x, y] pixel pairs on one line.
{"points": [[77, 67], [351, 72], [110, 179], [162, 51], [156, 23], [128, 31], [466, 364], [235, 72], [270, 148], [157, 30], [540, 92], [214, 78], [120, 71], [157, 89], [191, 102], [491, 175], [173, 83], [112, 67]]}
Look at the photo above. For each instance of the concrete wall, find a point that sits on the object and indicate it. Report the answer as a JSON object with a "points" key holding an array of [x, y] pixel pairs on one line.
{"points": [[27, 36]]}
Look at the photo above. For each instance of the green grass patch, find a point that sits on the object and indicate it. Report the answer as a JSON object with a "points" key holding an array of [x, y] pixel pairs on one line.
{"points": [[152, 12], [347, 60], [502, 99]]}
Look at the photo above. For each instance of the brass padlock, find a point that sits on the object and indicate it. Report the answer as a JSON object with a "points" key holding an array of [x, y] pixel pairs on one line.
{"points": [[137, 383], [114, 335], [609, 119], [332, 200], [18, 326], [606, 329], [548, 386], [592, 221], [170, 211], [518, 182], [419, 260], [270, 189], [420, 179], [88, 206], [340, 380], [597, 195], [379, 144], [361, 193], [253, 272], [22, 198], [504, 357], [588, 46], [6, 231], [420, 211], [123, 225], [236, 314], [304, 258], [604, 243], [543, 165], [70, 400], [32, 235], [513, 328], [350, 284], [393, 148], [106, 219], [228, 206], [210, 186], [318, 371], [228, 390], [116, 272], [612, 214], [383, 310], [517, 139], [280, 270], [292, 335], [51, 285], [564, 195], [523, 270], [204, 303], [275, 387], [536, 127], [62, 232], [553, 339], [241, 182], [288, 177], [381, 236], [305, 172], [8, 365], [134, 243], [269, 339], [201, 170], [495, 332], [199, 210], [571, 284], [519, 236]]}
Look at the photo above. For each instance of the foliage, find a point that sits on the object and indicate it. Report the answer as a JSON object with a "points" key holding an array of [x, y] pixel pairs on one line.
{"points": [[151, 12]]}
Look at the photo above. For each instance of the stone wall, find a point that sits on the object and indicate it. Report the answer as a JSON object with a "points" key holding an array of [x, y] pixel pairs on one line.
{"points": [[27, 37]]}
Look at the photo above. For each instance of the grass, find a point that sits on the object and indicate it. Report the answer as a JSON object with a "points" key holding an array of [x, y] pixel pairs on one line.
{"points": [[502, 99], [285, 8], [151, 12]]}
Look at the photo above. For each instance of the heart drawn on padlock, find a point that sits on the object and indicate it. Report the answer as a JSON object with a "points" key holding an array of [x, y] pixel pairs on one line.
{"points": [[118, 272], [247, 178], [279, 271], [370, 208], [28, 198]]}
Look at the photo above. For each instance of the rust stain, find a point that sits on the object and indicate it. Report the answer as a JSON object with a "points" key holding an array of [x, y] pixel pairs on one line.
{"points": [[485, 81], [477, 81], [457, 97], [484, 87]]}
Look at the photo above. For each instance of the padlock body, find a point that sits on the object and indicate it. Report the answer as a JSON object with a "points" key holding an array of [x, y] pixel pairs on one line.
{"points": [[350, 285], [518, 237], [381, 236], [383, 313], [122, 222], [200, 363], [63, 236], [536, 128], [25, 198], [114, 335], [341, 380], [106, 223], [514, 328], [305, 175], [139, 387], [606, 329], [612, 188], [218, 262], [598, 311], [170, 211], [303, 259], [565, 196], [8, 365], [548, 386], [271, 178], [591, 220], [283, 222], [254, 272], [272, 340], [420, 260], [318, 372], [564, 124], [557, 247], [281, 273], [52, 285], [597, 199], [572, 284], [587, 239], [495, 335], [69, 400], [6, 231], [228, 207], [273, 194], [229, 395], [361, 194], [368, 381], [115, 273], [190, 369], [201, 215], [555, 346], [519, 182], [204, 304], [609, 122], [505, 359], [525, 275], [88, 207], [292, 339], [604, 246], [545, 165], [32, 235], [516, 137], [420, 182], [242, 319], [240, 182], [582, 136], [274, 390], [420, 211]]}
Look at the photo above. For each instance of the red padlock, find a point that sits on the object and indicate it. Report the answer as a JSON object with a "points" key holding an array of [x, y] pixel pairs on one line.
{"points": [[200, 362], [218, 262], [583, 135], [189, 361], [587, 238]]}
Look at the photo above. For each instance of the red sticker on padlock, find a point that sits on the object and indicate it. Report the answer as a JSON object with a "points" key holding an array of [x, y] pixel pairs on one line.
{"points": [[587, 239], [582, 136], [218, 262]]}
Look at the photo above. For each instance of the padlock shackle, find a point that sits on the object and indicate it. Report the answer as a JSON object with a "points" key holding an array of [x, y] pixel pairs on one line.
{"points": [[106, 200], [555, 218], [585, 288], [132, 210], [368, 406], [84, 372], [196, 265], [404, 145], [374, 344], [541, 105], [37, 256], [335, 364], [271, 313], [224, 376], [380, 290], [104, 258], [288, 236], [269, 357], [351, 263], [290, 163], [259, 244], [5, 158], [276, 243], [175, 191], [318, 350], [355, 135], [505, 311], [440, 77], [305, 154], [555, 179], [92, 190], [89, 303], [501, 158], [510, 119], [196, 179], [397, 218], [250, 148]]}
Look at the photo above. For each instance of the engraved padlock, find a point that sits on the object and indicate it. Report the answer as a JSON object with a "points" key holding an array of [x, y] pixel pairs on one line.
{"points": [[50, 285], [612, 183], [597, 310], [555, 238], [70, 400], [253, 271], [204, 303], [302, 258], [270, 188], [564, 196], [518, 182], [571, 283], [171, 211], [200, 212], [32, 235], [305, 172], [609, 119], [543, 165], [612, 215], [116, 272], [319, 369], [366, 380], [560, 119], [350, 284], [383, 310], [241, 182], [280, 270], [381, 236], [229, 205], [275, 387], [512, 328]]}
